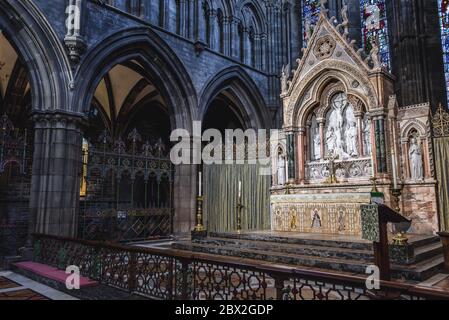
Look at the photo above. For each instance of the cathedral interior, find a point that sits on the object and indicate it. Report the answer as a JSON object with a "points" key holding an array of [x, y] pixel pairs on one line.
{"points": [[357, 176]]}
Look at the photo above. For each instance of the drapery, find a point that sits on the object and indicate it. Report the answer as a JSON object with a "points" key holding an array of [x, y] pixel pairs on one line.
{"points": [[221, 195], [441, 146]]}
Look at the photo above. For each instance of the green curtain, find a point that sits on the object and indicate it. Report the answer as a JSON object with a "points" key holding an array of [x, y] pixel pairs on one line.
{"points": [[442, 171], [221, 193]]}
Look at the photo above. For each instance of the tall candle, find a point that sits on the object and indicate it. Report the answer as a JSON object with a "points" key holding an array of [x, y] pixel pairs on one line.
{"points": [[240, 190], [395, 174], [200, 183], [372, 166]]}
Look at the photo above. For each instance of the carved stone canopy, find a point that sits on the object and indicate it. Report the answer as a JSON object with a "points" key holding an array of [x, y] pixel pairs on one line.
{"points": [[331, 57]]}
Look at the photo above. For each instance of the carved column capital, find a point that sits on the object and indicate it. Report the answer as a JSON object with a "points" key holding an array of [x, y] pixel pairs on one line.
{"points": [[58, 120]]}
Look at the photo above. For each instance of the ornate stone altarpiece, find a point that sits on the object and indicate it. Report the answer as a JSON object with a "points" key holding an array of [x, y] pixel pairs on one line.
{"points": [[342, 126]]}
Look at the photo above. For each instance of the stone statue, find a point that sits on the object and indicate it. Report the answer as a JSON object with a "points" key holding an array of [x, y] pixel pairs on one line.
{"points": [[367, 137], [416, 160], [284, 78], [374, 54], [281, 170], [331, 140], [352, 139], [316, 145]]}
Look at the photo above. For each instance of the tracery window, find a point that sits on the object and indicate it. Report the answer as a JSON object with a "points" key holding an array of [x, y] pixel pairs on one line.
{"points": [[443, 8], [375, 27]]}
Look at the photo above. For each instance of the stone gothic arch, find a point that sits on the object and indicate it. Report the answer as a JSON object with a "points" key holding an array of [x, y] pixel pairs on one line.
{"points": [[161, 65], [44, 55], [250, 101]]}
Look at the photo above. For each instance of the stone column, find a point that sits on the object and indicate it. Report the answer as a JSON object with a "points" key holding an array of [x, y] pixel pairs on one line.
{"points": [[381, 147], [185, 186], [154, 12], [183, 18], [308, 141], [416, 51], [227, 37], [200, 29], [234, 38], [291, 155], [322, 124], [212, 30], [301, 137], [257, 51], [360, 133], [55, 186], [247, 46], [191, 19], [263, 50], [406, 163]]}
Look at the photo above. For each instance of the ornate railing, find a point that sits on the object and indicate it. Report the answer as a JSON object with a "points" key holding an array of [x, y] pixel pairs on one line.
{"points": [[13, 145], [127, 189], [171, 275]]}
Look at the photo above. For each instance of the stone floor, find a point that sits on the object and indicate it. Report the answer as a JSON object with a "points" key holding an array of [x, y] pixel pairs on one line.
{"points": [[440, 281], [16, 287]]}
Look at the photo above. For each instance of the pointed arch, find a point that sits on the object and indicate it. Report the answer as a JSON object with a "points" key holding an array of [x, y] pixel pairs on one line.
{"points": [[159, 63], [251, 103], [29, 32]]}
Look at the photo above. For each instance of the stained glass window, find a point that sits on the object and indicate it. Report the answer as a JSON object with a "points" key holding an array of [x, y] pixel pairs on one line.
{"points": [[375, 26], [443, 7], [310, 16]]}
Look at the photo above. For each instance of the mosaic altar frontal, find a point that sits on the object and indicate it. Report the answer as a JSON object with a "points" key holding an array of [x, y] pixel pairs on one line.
{"points": [[336, 213]]}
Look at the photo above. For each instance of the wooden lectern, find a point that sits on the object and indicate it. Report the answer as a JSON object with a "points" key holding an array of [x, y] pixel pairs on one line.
{"points": [[375, 218]]}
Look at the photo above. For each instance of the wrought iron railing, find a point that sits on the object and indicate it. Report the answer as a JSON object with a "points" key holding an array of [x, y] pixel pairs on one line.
{"points": [[172, 275], [13, 145], [127, 189]]}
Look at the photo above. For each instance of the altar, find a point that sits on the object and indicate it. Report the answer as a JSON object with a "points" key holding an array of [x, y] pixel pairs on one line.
{"points": [[343, 129], [330, 214]]}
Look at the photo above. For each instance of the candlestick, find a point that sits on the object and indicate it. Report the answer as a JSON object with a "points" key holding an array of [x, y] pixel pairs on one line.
{"points": [[240, 207], [199, 215]]}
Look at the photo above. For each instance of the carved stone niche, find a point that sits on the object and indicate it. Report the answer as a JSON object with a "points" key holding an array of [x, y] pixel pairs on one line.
{"points": [[324, 48]]}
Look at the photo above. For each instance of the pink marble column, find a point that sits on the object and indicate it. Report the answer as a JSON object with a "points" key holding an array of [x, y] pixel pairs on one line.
{"points": [[308, 145], [425, 147], [405, 159], [301, 157]]}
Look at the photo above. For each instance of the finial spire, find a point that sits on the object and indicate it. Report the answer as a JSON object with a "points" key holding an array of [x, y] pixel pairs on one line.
{"points": [[324, 9]]}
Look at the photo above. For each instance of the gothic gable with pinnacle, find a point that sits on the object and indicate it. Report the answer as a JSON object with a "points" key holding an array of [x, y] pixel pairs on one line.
{"points": [[330, 53]]}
